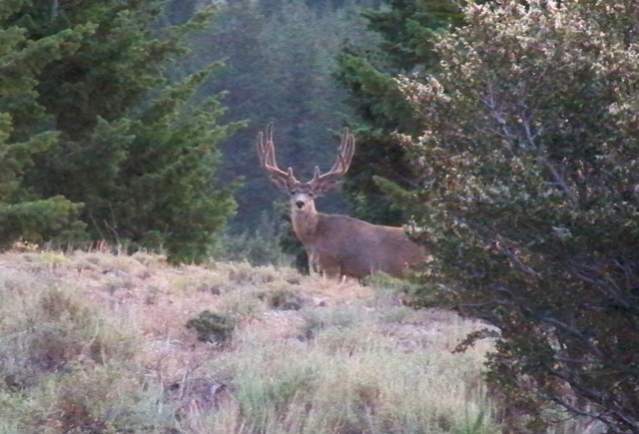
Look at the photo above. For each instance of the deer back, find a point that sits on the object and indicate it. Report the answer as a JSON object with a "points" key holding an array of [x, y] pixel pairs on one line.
{"points": [[355, 248]]}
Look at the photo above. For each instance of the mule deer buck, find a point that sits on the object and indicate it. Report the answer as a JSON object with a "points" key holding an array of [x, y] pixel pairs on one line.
{"points": [[337, 245]]}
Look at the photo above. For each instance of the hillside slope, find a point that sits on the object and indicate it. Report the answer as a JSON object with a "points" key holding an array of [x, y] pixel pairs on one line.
{"points": [[94, 342]]}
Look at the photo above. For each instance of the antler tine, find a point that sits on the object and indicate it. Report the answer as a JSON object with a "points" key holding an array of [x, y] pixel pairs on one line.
{"points": [[266, 155], [266, 150], [260, 149], [345, 152], [271, 146], [339, 161], [269, 132], [350, 150]]}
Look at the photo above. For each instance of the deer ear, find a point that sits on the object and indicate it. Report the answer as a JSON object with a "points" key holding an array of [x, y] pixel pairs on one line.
{"points": [[321, 188], [324, 188]]}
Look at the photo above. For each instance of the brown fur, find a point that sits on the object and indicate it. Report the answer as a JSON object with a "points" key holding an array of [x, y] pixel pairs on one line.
{"points": [[342, 245]]}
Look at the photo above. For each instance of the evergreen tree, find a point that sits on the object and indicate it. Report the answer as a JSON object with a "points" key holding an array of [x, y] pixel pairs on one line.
{"points": [[407, 30], [179, 11], [132, 148], [25, 131]]}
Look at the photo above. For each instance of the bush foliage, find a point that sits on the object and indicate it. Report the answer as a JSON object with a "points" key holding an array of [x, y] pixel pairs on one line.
{"points": [[212, 327], [530, 198]]}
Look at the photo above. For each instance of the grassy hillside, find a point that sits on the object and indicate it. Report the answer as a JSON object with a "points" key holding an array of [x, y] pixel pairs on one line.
{"points": [[99, 343]]}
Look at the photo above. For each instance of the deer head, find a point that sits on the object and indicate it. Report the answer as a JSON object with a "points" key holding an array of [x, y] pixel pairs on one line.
{"points": [[302, 194]]}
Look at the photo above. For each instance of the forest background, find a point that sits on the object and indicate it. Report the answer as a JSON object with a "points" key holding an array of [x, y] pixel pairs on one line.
{"points": [[242, 65]]}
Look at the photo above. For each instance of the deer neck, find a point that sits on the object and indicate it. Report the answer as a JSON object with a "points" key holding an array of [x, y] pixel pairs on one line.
{"points": [[305, 224]]}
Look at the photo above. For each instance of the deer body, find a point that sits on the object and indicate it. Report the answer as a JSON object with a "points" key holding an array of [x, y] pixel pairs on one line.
{"points": [[338, 245]]}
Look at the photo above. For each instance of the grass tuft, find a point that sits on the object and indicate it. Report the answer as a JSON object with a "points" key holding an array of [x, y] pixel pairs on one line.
{"points": [[212, 327], [282, 299]]}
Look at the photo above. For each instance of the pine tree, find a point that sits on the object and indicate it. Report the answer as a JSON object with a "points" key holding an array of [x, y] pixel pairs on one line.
{"points": [[25, 131], [407, 30], [133, 148]]}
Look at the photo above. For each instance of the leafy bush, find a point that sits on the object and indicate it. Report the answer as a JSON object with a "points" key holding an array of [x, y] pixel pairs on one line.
{"points": [[212, 327], [282, 299], [316, 321], [530, 199], [54, 333]]}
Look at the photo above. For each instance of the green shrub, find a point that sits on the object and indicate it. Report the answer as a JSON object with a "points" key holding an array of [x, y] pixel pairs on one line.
{"points": [[282, 299], [318, 320], [64, 367], [242, 304], [212, 327], [54, 333], [530, 197]]}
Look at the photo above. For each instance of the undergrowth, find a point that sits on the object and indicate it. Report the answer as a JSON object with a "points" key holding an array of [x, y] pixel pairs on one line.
{"points": [[67, 367], [100, 343]]}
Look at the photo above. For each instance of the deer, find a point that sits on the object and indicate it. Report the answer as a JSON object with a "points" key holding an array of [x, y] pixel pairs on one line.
{"points": [[337, 245]]}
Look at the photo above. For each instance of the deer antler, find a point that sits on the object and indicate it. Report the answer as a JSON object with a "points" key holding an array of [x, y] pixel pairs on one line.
{"points": [[266, 154], [321, 183]]}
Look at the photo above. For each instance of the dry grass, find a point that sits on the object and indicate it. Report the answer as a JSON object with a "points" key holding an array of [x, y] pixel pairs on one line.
{"points": [[94, 342]]}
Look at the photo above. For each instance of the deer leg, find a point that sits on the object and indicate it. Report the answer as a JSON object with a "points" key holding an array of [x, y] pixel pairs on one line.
{"points": [[332, 273], [327, 266], [313, 263], [311, 266]]}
